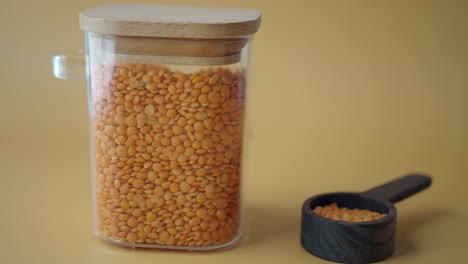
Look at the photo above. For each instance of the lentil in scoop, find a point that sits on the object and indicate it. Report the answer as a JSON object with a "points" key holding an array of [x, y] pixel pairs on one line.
{"points": [[332, 211]]}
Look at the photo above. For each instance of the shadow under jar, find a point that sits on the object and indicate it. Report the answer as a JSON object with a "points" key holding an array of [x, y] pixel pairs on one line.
{"points": [[167, 99]]}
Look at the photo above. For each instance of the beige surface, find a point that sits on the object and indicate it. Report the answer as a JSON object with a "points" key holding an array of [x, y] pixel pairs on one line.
{"points": [[345, 95]]}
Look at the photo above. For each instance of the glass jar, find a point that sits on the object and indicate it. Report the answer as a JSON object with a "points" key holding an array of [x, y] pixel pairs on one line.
{"points": [[166, 103]]}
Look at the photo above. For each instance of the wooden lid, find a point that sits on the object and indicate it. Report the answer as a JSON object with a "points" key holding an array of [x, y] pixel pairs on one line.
{"points": [[170, 21]]}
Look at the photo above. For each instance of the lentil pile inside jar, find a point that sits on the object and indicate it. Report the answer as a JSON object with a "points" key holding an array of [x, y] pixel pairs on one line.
{"points": [[168, 148]]}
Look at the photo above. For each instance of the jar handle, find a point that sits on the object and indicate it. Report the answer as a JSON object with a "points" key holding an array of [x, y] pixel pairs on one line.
{"points": [[69, 66]]}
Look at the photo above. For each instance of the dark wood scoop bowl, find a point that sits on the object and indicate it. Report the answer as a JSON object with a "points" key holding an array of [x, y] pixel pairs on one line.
{"points": [[357, 242]]}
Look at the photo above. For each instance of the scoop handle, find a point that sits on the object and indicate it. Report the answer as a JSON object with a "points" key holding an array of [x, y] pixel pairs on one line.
{"points": [[399, 189]]}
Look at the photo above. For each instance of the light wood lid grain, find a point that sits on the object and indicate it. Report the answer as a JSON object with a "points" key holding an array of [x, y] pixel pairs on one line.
{"points": [[170, 21]]}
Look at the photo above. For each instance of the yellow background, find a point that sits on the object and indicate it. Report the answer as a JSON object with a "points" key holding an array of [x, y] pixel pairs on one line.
{"points": [[345, 95]]}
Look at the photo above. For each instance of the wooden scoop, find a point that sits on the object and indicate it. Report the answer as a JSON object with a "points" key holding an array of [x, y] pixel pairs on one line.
{"points": [[357, 242]]}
